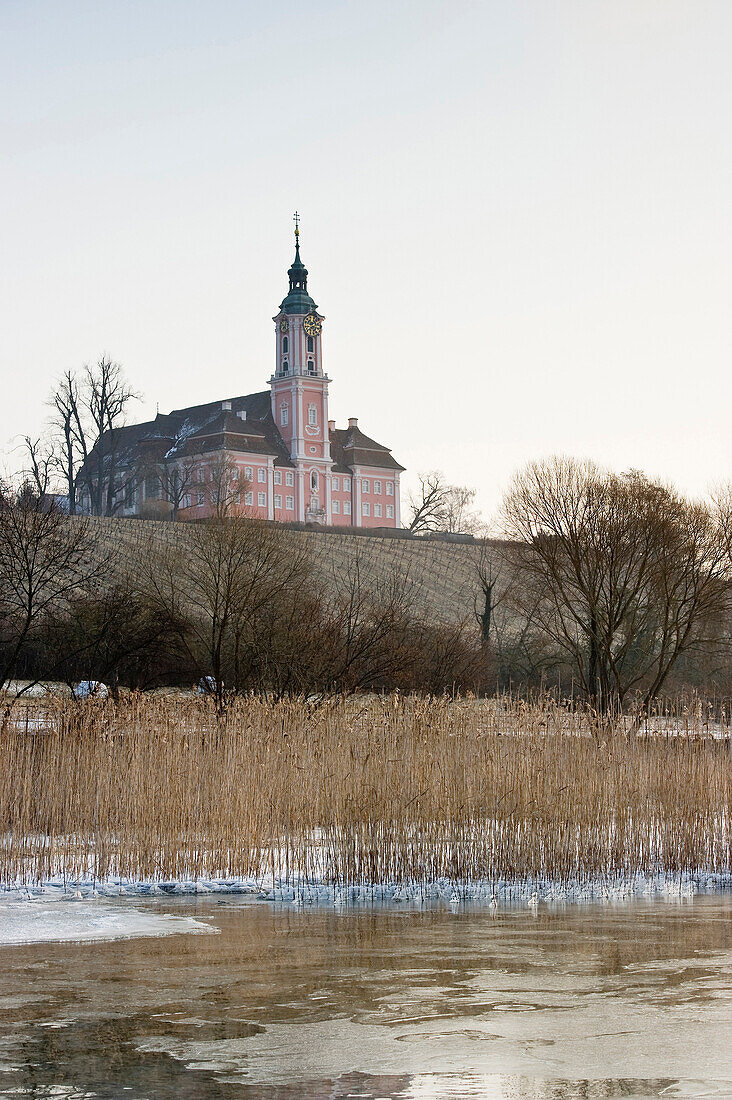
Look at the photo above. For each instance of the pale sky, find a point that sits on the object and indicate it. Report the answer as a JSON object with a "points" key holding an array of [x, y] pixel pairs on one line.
{"points": [[517, 217]]}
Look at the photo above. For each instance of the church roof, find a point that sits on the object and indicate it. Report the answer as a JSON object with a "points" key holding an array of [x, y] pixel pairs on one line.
{"points": [[200, 429], [204, 429], [350, 447]]}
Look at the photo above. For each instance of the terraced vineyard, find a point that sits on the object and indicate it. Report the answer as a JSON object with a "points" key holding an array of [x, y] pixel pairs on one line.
{"points": [[443, 574]]}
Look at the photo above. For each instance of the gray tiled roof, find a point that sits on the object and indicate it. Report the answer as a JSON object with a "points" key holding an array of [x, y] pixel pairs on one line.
{"points": [[350, 447], [201, 429]]}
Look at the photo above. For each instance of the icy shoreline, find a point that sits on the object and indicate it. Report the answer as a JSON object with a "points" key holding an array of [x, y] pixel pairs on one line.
{"points": [[299, 891], [78, 910]]}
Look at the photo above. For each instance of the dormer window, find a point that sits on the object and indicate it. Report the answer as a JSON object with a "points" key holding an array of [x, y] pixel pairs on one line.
{"points": [[285, 344], [311, 343], [311, 366]]}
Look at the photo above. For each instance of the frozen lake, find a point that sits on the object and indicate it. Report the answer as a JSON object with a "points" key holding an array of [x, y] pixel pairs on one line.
{"points": [[631, 1000]]}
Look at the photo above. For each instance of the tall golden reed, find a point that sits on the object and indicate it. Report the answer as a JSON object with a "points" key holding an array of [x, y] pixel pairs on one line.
{"points": [[356, 792]]}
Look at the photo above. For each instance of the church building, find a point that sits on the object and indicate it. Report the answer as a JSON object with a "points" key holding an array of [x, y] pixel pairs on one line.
{"points": [[275, 454]]}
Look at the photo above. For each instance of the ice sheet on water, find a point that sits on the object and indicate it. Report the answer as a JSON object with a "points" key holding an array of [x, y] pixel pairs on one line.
{"points": [[37, 920]]}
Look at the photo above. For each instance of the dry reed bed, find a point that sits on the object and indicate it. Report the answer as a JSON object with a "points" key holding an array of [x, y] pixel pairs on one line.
{"points": [[356, 793]]}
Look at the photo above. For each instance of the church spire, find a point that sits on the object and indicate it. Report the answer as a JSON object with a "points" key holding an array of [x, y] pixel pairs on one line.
{"points": [[298, 273], [298, 300]]}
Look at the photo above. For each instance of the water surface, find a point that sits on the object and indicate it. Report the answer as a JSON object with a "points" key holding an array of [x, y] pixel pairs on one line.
{"points": [[632, 1000]]}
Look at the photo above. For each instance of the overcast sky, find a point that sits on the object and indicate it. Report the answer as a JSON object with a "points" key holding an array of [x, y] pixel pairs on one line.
{"points": [[517, 217]]}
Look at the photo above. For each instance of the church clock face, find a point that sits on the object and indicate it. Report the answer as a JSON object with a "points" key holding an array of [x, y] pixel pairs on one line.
{"points": [[284, 324], [312, 325]]}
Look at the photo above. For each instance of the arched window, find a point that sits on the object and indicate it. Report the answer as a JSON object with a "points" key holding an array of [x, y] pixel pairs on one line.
{"points": [[314, 481], [311, 366], [311, 343], [285, 344], [285, 367], [312, 415], [284, 415]]}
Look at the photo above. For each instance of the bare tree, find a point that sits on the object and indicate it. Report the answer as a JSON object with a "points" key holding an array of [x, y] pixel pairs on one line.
{"points": [[622, 573], [112, 632], [66, 403], [167, 483], [487, 572], [176, 483], [369, 619], [352, 629], [438, 506], [722, 510], [514, 650], [44, 560], [226, 578], [88, 411], [460, 514], [226, 486], [42, 463], [427, 504]]}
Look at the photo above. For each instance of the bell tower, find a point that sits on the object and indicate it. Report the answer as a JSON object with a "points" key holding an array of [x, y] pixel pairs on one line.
{"points": [[300, 392]]}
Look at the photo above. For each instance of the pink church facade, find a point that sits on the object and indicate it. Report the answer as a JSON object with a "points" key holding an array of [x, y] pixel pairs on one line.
{"points": [[282, 456]]}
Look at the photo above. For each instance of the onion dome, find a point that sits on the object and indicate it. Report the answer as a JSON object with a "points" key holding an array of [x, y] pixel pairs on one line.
{"points": [[298, 300]]}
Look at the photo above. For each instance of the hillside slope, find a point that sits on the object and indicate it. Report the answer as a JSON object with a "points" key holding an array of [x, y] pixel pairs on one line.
{"points": [[443, 574]]}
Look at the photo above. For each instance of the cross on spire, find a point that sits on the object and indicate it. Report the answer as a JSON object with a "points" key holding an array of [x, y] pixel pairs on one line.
{"points": [[296, 220]]}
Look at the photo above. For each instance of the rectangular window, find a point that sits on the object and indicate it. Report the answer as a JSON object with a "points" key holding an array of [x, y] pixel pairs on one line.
{"points": [[278, 477], [366, 508], [337, 484], [336, 507], [248, 473], [261, 474], [249, 498], [200, 475], [377, 511], [200, 499], [261, 499], [284, 415], [289, 503], [377, 487], [278, 500], [390, 511], [346, 484], [366, 485], [346, 507], [187, 500], [289, 478], [390, 488]]}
